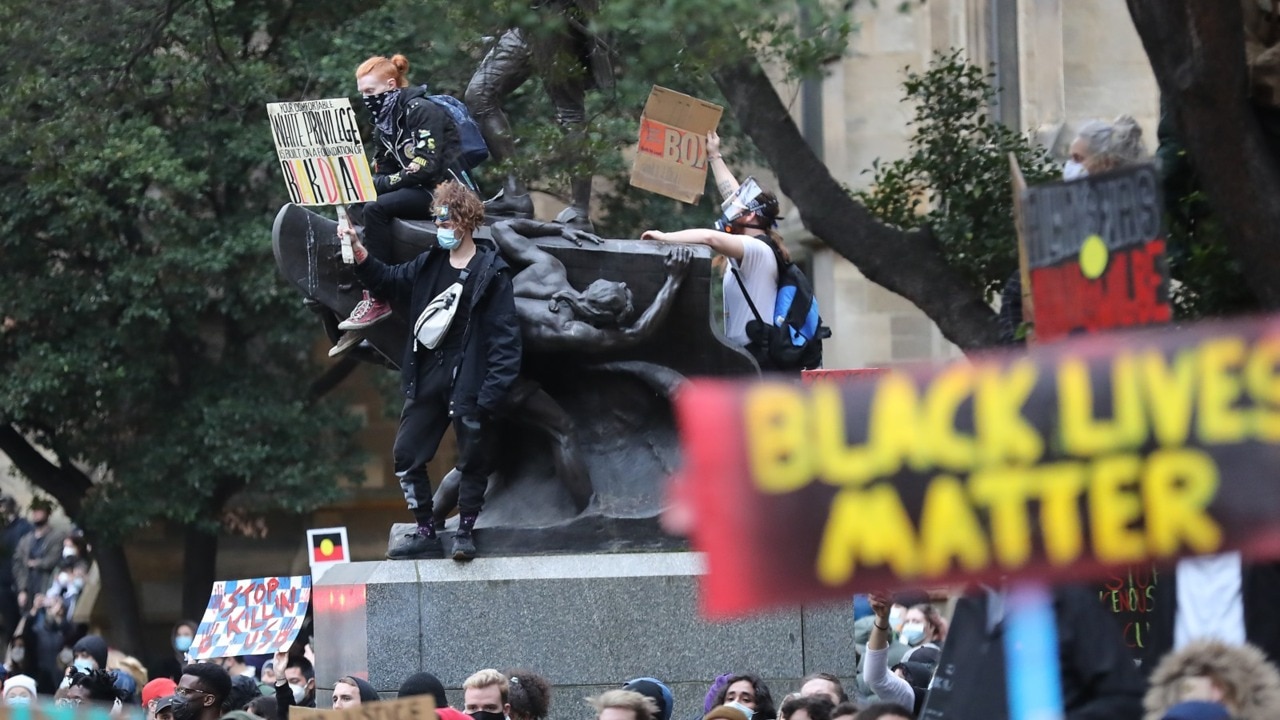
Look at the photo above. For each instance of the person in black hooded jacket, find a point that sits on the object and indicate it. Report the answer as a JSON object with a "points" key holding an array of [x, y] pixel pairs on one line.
{"points": [[466, 377], [417, 147], [350, 691]]}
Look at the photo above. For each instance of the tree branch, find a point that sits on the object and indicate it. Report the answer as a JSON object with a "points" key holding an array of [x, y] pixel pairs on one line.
{"points": [[67, 484], [908, 263], [1196, 50]]}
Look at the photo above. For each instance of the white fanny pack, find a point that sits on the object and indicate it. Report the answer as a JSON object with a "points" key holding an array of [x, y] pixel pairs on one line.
{"points": [[433, 324]]}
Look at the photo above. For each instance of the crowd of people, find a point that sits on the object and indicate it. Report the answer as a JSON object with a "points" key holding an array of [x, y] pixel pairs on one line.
{"points": [[901, 651]]}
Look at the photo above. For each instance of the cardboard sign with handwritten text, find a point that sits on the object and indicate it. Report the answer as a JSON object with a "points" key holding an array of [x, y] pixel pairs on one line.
{"points": [[672, 157], [252, 617]]}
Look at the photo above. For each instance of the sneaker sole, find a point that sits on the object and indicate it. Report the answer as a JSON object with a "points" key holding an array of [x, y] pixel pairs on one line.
{"points": [[345, 344], [350, 325]]}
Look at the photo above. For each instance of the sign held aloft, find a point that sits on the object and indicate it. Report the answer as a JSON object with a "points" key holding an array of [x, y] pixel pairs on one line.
{"points": [[252, 617], [321, 155], [1077, 458], [1095, 252], [672, 157]]}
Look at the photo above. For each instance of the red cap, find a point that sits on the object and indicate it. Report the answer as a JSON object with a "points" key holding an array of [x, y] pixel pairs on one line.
{"points": [[156, 689], [448, 713]]}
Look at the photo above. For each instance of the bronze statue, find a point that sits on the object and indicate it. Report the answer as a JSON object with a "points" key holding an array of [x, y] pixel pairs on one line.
{"points": [[569, 59], [555, 317]]}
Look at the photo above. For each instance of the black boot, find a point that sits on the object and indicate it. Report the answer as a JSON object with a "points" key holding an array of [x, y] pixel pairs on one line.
{"points": [[420, 544], [464, 544], [578, 215], [513, 201]]}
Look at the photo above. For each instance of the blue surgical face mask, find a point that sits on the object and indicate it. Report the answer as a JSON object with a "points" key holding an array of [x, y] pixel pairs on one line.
{"points": [[895, 617], [1073, 170], [446, 238], [913, 633], [739, 706], [182, 643], [85, 664], [18, 700]]}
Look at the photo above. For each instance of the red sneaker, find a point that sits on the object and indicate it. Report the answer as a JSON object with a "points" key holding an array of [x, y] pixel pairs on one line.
{"points": [[368, 312]]}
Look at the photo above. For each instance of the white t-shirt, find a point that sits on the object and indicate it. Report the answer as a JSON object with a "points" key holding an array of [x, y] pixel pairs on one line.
{"points": [[759, 272], [1210, 601]]}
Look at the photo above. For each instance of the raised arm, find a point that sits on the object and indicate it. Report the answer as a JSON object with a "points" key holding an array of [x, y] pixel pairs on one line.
{"points": [[722, 242], [887, 686], [726, 183], [392, 282]]}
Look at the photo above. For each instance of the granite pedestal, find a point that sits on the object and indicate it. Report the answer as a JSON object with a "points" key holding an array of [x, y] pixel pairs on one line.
{"points": [[585, 622]]}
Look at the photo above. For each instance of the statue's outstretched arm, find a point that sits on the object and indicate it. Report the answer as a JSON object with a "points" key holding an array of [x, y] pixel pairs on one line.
{"points": [[515, 239], [579, 335]]}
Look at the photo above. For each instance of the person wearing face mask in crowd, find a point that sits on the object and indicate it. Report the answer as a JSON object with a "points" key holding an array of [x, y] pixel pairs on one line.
{"points": [[20, 690], [747, 693], [417, 148], [37, 554], [468, 375], [15, 661], [296, 686], [923, 626], [170, 665], [485, 695], [15, 528], [1100, 146], [45, 631], [201, 692]]}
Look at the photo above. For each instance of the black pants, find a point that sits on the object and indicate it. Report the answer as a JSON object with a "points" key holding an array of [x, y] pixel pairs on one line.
{"points": [[412, 203], [422, 425]]}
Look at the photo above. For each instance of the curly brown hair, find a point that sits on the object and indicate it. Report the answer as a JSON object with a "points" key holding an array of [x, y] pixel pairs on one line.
{"points": [[466, 210], [529, 694]]}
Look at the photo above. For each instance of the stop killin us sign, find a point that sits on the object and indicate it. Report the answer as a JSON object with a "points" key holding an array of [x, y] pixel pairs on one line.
{"points": [[252, 617]]}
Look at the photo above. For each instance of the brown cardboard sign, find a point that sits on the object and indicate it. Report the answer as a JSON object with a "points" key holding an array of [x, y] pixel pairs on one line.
{"points": [[672, 157]]}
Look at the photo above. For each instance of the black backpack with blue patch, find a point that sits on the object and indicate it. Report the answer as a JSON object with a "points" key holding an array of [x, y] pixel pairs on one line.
{"points": [[474, 148], [792, 340]]}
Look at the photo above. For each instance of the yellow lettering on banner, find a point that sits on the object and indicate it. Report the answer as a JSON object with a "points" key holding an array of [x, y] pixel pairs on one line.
{"points": [[839, 462], [1217, 421], [1003, 434], [868, 527], [1083, 434], [1005, 491], [1114, 506], [894, 423], [946, 445], [1177, 487], [1171, 395], [777, 438], [949, 529], [1060, 486], [1264, 387]]}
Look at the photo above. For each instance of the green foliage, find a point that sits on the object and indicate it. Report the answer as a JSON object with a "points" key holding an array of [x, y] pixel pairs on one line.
{"points": [[956, 178], [1207, 279], [147, 333]]}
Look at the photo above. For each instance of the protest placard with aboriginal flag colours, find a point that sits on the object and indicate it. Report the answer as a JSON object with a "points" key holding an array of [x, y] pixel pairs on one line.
{"points": [[1064, 463], [327, 547], [1096, 253]]}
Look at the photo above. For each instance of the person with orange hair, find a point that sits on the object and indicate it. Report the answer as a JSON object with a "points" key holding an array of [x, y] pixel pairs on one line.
{"points": [[417, 148], [460, 376]]}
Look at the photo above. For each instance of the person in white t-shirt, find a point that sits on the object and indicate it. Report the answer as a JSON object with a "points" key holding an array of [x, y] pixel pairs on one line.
{"points": [[745, 235]]}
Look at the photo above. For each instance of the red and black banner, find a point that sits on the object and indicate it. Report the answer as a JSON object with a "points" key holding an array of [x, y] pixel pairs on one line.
{"points": [[1096, 253], [1068, 462]]}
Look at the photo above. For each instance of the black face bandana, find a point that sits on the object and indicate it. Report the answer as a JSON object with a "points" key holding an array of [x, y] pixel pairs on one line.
{"points": [[485, 715], [374, 103]]}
